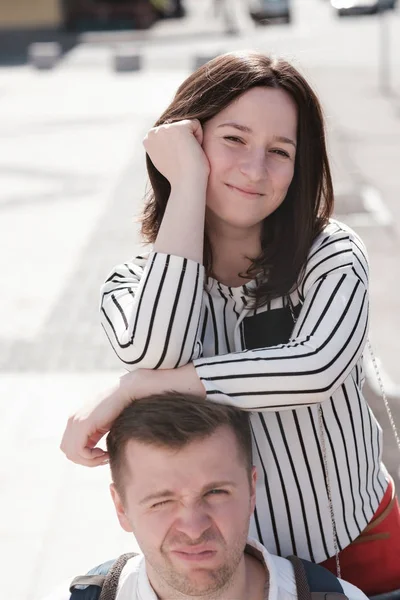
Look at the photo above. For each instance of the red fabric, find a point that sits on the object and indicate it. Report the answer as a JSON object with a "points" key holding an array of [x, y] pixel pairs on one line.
{"points": [[372, 561]]}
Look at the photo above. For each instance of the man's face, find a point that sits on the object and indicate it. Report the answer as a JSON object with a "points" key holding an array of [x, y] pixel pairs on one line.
{"points": [[189, 510]]}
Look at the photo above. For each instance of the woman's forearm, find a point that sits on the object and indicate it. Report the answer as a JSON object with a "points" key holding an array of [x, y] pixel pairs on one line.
{"points": [[181, 232], [146, 382]]}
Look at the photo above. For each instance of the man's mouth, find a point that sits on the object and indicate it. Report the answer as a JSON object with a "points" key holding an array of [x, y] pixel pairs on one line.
{"points": [[198, 552], [194, 555]]}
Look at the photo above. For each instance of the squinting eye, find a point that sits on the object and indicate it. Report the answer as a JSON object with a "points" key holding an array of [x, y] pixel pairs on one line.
{"points": [[233, 138], [160, 504]]}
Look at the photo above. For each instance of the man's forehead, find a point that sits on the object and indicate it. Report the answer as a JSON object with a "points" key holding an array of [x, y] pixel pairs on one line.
{"points": [[223, 438], [192, 467]]}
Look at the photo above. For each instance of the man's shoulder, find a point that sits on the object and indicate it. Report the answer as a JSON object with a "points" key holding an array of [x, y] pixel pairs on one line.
{"points": [[287, 585], [282, 578]]}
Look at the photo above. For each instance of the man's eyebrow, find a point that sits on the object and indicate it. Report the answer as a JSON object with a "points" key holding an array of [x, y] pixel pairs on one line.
{"points": [[245, 129], [218, 484], [164, 494]]}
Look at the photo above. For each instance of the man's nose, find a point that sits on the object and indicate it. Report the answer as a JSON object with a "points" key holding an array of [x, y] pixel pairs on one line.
{"points": [[254, 165], [193, 521]]}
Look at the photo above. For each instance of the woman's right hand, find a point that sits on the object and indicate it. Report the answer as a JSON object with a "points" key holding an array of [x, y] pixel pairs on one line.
{"points": [[87, 426], [176, 150]]}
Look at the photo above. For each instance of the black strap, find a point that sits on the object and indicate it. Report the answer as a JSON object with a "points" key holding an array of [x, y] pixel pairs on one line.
{"points": [[314, 582]]}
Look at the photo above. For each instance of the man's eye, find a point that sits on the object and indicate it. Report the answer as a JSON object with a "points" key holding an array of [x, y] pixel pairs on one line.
{"points": [[160, 504], [217, 492]]}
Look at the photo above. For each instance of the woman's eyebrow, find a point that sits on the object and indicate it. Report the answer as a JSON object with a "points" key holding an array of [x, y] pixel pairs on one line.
{"points": [[236, 126], [278, 138]]}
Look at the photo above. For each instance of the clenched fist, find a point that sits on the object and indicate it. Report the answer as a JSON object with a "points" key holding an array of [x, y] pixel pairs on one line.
{"points": [[176, 150]]}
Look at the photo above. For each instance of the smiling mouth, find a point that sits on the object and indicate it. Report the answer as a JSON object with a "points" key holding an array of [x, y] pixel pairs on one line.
{"points": [[244, 192]]}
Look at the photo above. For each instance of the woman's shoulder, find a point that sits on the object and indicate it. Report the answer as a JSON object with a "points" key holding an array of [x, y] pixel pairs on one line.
{"points": [[336, 248], [340, 244], [339, 235]]}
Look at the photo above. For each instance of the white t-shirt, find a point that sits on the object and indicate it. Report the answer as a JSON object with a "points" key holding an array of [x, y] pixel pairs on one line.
{"points": [[134, 583]]}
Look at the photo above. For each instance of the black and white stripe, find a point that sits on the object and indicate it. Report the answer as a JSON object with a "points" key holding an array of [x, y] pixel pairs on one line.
{"points": [[159, 312]]}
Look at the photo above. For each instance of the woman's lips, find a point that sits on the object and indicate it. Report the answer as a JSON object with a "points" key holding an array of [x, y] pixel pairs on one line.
{"points": [[245, 192]]}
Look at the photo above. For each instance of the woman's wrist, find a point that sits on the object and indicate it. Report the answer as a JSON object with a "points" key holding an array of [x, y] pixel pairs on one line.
{"points": [[146, 382], [194, 181]]}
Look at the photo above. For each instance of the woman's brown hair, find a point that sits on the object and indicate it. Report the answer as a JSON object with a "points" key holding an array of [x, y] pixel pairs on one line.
{"points": [[290, 230]]}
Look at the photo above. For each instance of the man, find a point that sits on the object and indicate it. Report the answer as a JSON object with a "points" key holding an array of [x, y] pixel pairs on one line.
{"points": [[184, 484]]}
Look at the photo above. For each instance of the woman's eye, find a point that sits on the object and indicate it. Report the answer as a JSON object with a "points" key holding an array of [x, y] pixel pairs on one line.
{"points": [[281, 152], [233, 138]]}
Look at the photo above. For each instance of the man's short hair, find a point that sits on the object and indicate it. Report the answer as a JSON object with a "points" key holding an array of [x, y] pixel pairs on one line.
{"points": [[173, 420]]}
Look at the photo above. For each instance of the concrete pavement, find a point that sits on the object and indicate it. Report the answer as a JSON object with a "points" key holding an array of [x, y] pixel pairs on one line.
{"points": [[72, 178], [72, 174]]}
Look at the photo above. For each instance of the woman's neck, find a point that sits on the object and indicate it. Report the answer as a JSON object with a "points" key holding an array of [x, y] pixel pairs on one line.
{"points": [[232, 253]]}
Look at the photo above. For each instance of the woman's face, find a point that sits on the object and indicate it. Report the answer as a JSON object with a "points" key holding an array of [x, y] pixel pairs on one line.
{"points": [[251, 148]]}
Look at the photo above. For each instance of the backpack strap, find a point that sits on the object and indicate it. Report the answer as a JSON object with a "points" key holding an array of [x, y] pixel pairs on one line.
{"points": [[314, 582], [110, 585], [100, 582]]}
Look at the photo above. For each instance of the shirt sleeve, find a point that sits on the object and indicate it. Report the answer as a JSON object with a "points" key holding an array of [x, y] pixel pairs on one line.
{"points": [[327, 341], [150, 311]]}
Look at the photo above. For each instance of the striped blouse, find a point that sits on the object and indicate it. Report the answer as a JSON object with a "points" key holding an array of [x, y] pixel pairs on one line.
{"points": [[281, 362]]}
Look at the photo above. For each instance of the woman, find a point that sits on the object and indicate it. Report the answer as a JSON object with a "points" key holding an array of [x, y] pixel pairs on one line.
{"points": [[253, 296]]}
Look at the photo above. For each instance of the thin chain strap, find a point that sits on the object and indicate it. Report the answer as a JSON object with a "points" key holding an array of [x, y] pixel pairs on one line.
{"points": [[383, 393], [325, 459], [328, 489]]}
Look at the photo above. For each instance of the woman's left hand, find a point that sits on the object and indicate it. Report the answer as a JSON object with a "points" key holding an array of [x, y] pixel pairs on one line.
{"points": [[87, 426]]}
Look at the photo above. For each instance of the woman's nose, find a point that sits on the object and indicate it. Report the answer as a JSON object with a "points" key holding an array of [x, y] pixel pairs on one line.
{"points": [[254, 166]]}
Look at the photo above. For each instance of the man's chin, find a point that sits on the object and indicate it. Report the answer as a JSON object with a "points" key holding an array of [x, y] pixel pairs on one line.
{"points": [[202, 573], [197, 581]]}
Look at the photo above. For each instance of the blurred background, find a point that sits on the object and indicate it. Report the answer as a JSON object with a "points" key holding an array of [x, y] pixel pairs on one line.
{"points": [[81, 81]]}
